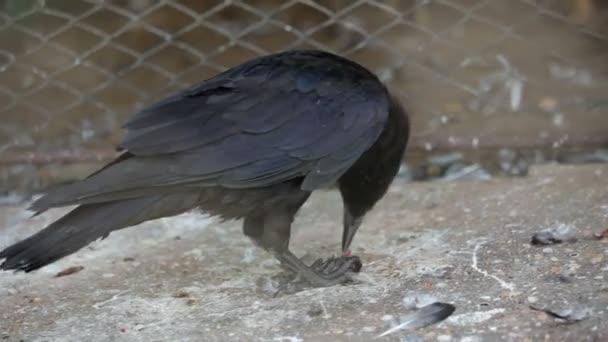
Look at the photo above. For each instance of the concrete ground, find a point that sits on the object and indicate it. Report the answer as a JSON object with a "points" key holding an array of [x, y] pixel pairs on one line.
{"points": [[467, 243]]}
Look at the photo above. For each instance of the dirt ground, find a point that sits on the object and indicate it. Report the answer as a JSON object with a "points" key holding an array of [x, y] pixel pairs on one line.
{"points": [[466, 243]]}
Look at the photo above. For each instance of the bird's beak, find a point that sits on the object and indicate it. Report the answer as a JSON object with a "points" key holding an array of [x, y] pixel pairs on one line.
{"points": [[351, 224]]}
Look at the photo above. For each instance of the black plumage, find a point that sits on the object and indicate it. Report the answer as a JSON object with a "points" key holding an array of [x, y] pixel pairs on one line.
{"points": [[253, 143]]}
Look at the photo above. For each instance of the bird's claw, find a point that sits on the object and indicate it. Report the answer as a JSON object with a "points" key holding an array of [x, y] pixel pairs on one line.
{"points": [[337, 267], [323, 273]]}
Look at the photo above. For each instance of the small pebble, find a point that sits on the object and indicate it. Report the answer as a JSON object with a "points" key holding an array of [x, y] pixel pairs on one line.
{"points": [[532, 299]]}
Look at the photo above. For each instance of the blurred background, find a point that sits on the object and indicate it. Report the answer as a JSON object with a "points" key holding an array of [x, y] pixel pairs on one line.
{"points": [[492, 86]]}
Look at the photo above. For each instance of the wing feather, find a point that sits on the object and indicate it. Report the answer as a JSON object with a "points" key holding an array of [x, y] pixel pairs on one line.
{"points": [[308, 115]]}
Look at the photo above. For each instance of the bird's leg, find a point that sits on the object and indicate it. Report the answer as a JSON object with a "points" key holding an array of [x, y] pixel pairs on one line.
{"points": [[272, 232]]}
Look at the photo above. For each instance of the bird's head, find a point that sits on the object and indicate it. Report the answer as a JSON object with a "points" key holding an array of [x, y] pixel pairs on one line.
{"points": [[369, 178]]}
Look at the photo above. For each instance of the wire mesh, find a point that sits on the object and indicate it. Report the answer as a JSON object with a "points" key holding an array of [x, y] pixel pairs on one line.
{"points": [[471, 72]]}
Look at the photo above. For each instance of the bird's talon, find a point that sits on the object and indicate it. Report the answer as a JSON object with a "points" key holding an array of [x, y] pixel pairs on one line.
{"points": [[317, 264], [335, 267]]}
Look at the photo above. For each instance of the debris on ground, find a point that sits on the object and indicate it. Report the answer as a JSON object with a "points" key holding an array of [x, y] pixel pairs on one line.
{"points": [[565, 314], [597, 156], [466, 172], [70, 270], [416, 300], [181, 294], [558, 234], [601, 235], [446, 160], [425, 316]]}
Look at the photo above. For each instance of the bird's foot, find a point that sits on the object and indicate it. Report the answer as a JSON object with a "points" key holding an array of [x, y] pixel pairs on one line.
{"points": [[337, 267], [322, 273]]}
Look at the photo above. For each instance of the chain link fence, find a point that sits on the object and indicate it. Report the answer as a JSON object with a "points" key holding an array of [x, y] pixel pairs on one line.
{"points": [[473, 73]]}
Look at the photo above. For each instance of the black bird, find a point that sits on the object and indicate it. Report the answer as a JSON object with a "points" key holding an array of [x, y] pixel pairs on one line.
{"points": [[252, 142]]}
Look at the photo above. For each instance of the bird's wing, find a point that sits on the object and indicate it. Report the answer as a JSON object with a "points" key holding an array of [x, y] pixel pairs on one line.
{"points": [[255, 126]]}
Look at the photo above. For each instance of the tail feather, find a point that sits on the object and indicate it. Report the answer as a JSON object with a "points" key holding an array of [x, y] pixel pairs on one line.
{"points": [[88, 223], [123, 178], [64, 197]]}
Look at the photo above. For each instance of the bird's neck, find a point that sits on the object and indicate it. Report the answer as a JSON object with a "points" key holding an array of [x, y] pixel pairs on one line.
{"points": [[371, 175]]}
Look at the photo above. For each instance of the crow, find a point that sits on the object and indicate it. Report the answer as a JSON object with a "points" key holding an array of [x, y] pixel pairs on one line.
{"points": [[250, 143]]}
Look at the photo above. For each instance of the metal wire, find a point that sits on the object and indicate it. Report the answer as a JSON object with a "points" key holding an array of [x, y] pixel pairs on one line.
{"points": [[70, 71]]}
